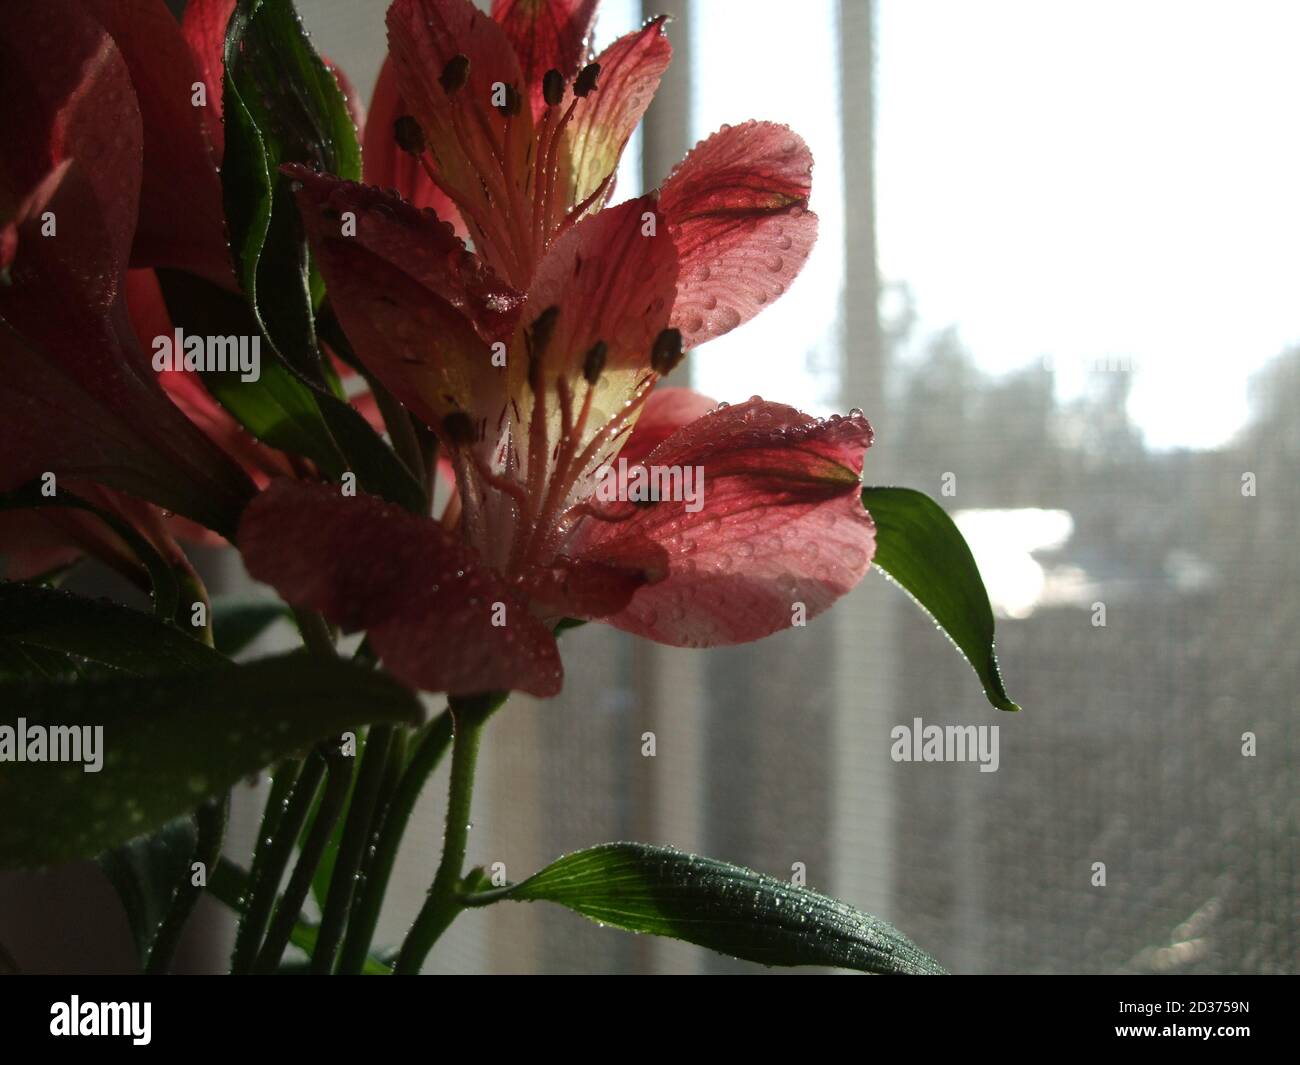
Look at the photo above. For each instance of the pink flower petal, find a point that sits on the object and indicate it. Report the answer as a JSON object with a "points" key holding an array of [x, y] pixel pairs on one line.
{"points": [[547, 35], [426, 602], [630, 70], [666, 411], [419, 309], [478, 152], [737, 210], [611, 282], [781, 525], [387, 166], [578, 588], [181, 217], [204, 29]]}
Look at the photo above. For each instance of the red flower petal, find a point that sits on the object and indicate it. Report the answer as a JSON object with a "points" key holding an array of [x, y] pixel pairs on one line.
{"points": [[181, 218], [387, 166], [737, 210], [781, 524], [204, 29], [419, 308], [630, 70], [547, 35], [78, 396], [578, 588], [423, 597], [666, 411], [612, 283], [479, 154], [70, 105]]}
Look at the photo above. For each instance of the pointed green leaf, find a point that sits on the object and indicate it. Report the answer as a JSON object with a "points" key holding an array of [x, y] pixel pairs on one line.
{"points": [[36, 619], [918, 545], [724, 907], [281, 105], [167, 743]]}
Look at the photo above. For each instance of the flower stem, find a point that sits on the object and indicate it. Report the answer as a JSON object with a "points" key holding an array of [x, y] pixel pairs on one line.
{"points": [[356, 834], [289, 909], [211, 818], [365, 918], [268, 861], [443, 902]]}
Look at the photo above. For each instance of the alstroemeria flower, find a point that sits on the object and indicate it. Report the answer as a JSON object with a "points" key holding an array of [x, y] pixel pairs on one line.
{"points": [[781, 527], [534, 356], [78, 396], [523, 136]]}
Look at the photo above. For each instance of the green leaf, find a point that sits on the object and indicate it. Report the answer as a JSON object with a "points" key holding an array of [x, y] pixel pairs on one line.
{"points": [[918, 545], [38, 621], [279, 408], [724, 907], [145, 873], [169, 742], [283, 408], [281, 105], [230, 883], [238, 620]]}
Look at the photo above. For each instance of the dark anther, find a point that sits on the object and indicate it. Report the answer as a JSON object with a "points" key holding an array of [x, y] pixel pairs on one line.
{"points": [[542, 328], [667, 352], [552, 87], [594, 363], [586, 80], [409, 135], [513, 102], [458, 429], [455, 74]]}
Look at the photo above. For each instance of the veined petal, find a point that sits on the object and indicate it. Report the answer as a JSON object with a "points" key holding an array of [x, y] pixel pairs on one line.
{"points": [[204, 29], [439, 619], [547, 35], [612, 280], [576, 588], [630, 70], [781, 524], [420, 310], [666, 411], [387, 166], [480, 154], [737, 210], [181, 217]]}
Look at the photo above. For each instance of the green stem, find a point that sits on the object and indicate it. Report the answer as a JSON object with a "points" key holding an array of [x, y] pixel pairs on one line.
{"points": [[282, 782], [365, 919], [356, 834], [275, 858], [288, 910], [443, 901], [211, 818], [316, 634]]}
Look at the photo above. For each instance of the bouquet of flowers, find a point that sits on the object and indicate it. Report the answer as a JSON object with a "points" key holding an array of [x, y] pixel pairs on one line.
{"points": [[409, 365]]}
